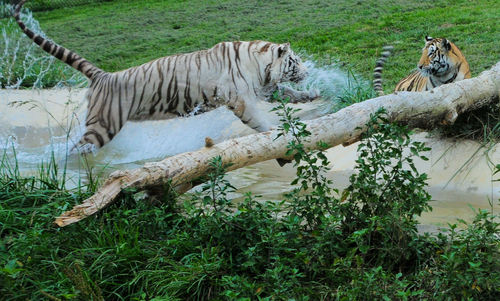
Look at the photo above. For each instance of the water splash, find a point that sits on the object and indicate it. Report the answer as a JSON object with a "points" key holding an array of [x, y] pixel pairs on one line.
{"points": [[339, 87], [330, 80], [38, 124], [22, 63]]}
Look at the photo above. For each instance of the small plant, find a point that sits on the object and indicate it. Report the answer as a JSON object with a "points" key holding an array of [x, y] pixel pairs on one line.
{"points": [[316, 201], [87, 288], [217, 189], [356, 91]]}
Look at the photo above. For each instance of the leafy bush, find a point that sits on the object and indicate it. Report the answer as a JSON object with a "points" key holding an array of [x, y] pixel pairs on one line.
{"points": [[467, 264], [386, 194]]}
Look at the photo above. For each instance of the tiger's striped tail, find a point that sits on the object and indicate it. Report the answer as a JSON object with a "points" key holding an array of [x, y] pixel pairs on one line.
{"points": [[379, 66], [61, 53]]}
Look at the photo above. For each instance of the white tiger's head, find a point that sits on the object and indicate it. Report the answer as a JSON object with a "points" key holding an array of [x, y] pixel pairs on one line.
{"points": [[286, 65]]}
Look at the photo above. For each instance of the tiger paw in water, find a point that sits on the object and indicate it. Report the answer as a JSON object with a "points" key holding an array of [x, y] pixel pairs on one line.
{"points": [[314, 94], [84, 149]]}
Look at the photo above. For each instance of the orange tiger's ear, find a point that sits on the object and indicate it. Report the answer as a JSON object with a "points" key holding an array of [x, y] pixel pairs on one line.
{"points": [[446, 44], [283, 48], [428, 39]]}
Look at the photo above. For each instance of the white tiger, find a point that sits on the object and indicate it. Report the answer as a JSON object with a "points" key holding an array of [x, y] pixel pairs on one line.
{"points": [[236, 74]]}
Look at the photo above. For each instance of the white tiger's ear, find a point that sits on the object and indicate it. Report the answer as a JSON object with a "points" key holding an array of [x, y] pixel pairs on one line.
{"points": [[446, 44], [283, 48], [428, 39]]}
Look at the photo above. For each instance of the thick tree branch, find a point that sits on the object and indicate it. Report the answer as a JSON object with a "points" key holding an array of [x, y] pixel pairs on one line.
{"points": [[424, 110]]}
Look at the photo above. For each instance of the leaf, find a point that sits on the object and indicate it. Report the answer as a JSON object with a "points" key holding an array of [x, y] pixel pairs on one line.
{"points": [[474, 265]]}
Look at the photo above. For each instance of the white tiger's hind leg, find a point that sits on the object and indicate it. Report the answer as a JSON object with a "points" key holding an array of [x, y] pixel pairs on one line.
{"points": [[253, 115], [298, 96], [96, 135]]}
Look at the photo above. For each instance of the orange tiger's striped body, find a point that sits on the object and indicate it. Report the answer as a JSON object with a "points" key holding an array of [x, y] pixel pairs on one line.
{"points": [[236, 74]]}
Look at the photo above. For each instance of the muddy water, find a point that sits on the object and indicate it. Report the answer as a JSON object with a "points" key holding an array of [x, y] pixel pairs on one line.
{"points": [[460, 178], [45, 123]]}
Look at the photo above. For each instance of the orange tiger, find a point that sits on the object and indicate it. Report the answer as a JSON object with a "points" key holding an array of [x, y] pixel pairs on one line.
{"points": [[441, 63]]}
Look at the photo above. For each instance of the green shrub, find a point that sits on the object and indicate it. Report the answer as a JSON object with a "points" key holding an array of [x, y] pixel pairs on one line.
{"points": [[386, 194], [466, 261]]}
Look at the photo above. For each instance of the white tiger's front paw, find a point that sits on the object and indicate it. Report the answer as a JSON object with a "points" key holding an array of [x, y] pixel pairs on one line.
{"points": [[83, 149]]}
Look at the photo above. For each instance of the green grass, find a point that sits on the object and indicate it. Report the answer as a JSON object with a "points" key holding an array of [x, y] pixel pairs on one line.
{"points": [[351, 33]]}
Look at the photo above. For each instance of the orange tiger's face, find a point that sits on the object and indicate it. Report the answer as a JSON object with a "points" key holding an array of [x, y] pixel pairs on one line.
{"points": [[435, 58]]}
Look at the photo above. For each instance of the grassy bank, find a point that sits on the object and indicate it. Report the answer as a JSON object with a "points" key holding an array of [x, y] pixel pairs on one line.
{"points": [[350, 33]]}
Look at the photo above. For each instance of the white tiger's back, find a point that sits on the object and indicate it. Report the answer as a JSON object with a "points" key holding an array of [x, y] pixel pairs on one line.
{"points": [[177, 84]]}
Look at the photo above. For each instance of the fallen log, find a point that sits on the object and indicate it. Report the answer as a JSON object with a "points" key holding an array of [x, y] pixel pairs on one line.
{"points": [[441, 105]]}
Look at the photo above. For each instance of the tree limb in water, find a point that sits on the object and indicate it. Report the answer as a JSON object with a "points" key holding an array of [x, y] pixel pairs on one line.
{"points": [[441, 105]]}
